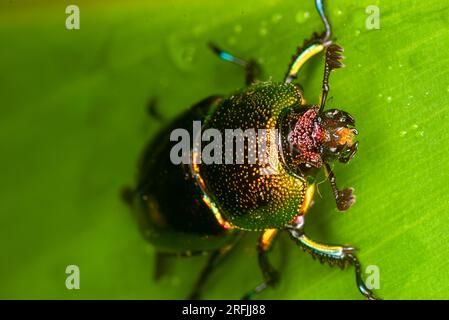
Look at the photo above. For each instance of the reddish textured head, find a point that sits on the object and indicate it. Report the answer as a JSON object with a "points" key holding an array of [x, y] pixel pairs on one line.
{"points": [[323, 137], [307, 137]]}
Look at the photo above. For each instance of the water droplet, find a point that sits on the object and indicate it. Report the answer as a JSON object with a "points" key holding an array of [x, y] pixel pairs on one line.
{"points": [[380, 95], [237, 28], [403, 133], [390, 68], [339, 12], [276, 18], [421, 133], [427, 93], [302, 16], [359, 65], [357, 33], [263, 31], [400, 65], [389, 98], [415, 126]]}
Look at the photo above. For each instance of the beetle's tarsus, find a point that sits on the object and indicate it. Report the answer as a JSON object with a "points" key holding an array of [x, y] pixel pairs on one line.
{"points": [[250, 295], [367, 293], [333, 61], [320, 8]]}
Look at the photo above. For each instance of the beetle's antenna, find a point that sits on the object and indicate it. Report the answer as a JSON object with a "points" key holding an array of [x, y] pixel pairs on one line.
{"points": [[333, 61], [344, 198], [320, 8]]}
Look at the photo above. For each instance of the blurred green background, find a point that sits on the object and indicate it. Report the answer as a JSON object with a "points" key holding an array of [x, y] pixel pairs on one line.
{"points": [[73, 124]]}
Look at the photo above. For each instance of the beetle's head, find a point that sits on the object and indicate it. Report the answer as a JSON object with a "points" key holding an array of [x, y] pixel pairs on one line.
{"points": [[340, 136], [321, 137]]}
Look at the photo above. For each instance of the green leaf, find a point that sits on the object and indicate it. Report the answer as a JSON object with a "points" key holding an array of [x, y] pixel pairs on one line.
{"points": [[73, 125]]}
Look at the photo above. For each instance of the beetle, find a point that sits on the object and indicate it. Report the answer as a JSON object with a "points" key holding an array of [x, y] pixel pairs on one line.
{"points": [[193, 208]]}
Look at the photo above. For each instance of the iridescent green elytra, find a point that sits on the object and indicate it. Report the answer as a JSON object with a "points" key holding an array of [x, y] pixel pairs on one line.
{"points": [[194, 207]]}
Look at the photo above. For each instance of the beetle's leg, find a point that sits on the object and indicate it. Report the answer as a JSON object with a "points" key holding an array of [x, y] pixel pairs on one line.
{"points": [[310, 47], [214, 258], [211, 262], [184, 254], [334, 255], [161, 258], [203, 107], [252, 68], [344, 198], [160, 266], [270, 275]]}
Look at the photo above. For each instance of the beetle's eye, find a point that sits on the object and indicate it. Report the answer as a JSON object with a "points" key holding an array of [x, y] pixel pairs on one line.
{"points": [[349, 153], [340, 143]]}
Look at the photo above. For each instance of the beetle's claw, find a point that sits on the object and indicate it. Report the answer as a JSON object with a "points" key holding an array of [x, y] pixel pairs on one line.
{"points": [[345, 199]]}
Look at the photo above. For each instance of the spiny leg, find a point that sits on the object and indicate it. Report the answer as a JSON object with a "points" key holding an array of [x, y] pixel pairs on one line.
{"points": [[344, 198], [252, 68], [270, 275], [334, 255], [311, 47]]}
